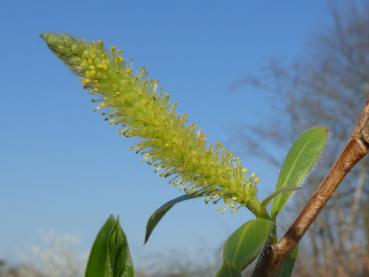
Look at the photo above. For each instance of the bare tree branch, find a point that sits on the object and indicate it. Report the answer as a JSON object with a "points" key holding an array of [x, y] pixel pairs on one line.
{"points": [[356, 148]]}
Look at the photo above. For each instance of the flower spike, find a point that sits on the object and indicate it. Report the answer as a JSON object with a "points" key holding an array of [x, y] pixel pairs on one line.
{"points": [[174, 147]]}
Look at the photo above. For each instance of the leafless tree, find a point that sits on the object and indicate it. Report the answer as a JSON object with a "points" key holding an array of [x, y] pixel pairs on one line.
{"points": [[326, 86]]}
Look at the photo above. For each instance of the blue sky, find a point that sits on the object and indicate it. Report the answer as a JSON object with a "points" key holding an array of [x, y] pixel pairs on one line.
{"points": [[63, 168]]}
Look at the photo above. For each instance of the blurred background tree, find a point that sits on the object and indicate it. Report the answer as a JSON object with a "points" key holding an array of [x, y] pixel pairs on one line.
{"points": [[328, 86], [56, 255], [60, 255]]}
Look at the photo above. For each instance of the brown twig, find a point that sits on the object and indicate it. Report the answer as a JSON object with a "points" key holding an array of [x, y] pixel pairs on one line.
{"points": [[356, 148]]}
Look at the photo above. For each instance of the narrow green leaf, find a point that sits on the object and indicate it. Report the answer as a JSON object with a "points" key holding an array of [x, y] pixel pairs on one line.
{"points": [[110, 255], [269, 198], [300, 159], [160, 212], [287, 266], [228, 270], [245, 244]]}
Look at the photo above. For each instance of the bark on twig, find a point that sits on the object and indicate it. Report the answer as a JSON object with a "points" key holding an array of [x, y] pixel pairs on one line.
{"points": [[356, 148]]}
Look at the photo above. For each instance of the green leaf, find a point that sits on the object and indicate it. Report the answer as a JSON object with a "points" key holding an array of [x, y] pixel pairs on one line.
{"points": [[300, 159], [228, 270], [269, 198], [110, 255], [159, 213], [288, 264], [245, 244]]}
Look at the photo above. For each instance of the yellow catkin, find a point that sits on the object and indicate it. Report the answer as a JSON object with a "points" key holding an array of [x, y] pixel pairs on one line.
{"points": [[176, 149]]}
